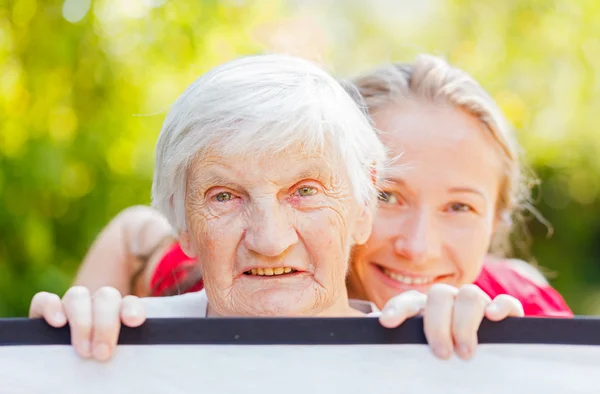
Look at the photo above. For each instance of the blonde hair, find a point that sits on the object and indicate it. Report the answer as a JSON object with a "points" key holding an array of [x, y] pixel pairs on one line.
{"points": [[432, 79]]}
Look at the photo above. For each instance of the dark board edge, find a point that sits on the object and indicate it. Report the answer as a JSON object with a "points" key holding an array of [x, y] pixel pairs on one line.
{"points": [[307, 331]]}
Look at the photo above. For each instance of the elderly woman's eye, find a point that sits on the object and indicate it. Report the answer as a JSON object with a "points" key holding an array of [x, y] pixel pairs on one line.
{"points": [[460, 207], [387, 197], [223, 197], [305, 191]]}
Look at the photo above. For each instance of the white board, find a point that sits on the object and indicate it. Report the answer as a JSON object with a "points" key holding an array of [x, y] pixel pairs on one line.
{"points": [[327, 359]]}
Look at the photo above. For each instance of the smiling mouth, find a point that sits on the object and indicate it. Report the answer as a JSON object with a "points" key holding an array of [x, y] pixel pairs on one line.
{"points": [[271, 271], [411, 280]]}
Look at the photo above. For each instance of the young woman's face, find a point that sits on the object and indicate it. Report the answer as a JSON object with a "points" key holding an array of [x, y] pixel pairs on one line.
{"points": [[437, 210]]}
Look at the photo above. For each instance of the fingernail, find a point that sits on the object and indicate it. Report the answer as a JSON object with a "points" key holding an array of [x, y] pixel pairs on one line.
{"points": [[389, 311], [101, 352], [85, 348], [464, 351], [59, 318], [493, 309], [131, 311], [441, 352]]}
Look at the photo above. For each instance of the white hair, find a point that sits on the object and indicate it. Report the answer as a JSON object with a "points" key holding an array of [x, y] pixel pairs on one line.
{"points": [[261, 105]]}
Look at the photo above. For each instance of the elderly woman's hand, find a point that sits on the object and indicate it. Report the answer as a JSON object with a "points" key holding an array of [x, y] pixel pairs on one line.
{"points": [[451, 316], [95, 320]]}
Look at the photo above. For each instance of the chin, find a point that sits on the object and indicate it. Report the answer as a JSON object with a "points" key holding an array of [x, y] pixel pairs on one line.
{"points": [[280, 303]]}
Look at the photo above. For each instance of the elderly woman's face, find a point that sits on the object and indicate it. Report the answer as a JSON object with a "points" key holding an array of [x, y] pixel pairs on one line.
{"points": [[273, 235]]}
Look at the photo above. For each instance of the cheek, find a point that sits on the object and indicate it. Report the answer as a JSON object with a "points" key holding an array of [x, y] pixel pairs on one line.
{"points": [[324, 225], [387, 226], [362, 254], [468, 244], [324, 235], [216, 241], [319, 232], [381, 233]]}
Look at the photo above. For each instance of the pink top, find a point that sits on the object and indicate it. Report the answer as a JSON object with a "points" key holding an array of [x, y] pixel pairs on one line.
{"points": [[500, 277]]}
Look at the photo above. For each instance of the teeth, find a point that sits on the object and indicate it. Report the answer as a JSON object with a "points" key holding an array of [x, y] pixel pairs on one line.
{"points": [[270, 271], [407, 280]]}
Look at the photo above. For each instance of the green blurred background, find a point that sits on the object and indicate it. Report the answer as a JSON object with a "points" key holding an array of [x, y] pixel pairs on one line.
{"points": [[85, 85]]}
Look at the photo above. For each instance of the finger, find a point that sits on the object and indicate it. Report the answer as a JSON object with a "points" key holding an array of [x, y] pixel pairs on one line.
{"points": [[78, 308], [468, 313], [106, 311], [437, 319], [133, 313], [402, 307], [504, 306], [48, 306]]}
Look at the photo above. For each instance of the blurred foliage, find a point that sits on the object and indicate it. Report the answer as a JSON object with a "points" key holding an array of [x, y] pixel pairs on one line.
{"points": [[84, 87]]}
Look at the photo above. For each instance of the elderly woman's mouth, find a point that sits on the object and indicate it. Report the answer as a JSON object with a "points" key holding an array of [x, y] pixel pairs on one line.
{"points": [[278, 271]]}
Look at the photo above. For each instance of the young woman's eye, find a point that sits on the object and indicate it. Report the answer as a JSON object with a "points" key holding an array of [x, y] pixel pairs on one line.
{"points": [[306, 191], [223, 197], [460, 207], [387, 197]]}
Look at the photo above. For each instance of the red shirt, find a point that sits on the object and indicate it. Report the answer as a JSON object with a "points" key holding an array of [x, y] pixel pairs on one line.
{"points": [[172, 270], [498, 277]]}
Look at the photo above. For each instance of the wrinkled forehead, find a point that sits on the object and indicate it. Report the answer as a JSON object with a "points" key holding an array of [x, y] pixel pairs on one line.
{"points": [[284, 167]]}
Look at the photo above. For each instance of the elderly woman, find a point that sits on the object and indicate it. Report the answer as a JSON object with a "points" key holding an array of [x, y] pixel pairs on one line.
{"points": [[267, 169]]}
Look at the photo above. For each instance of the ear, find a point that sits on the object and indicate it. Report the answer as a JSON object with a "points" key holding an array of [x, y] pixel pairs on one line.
{"points": [[187, 245], [373, 173], [364, 225]]}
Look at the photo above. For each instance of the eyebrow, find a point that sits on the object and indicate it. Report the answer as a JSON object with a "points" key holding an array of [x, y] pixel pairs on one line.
{"points": [[212, 179], [466, 190], [397, 182], [315, 171], [400, 182]]}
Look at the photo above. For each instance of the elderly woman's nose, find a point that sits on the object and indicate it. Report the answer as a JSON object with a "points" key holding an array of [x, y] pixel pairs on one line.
{"points": [[418, 240], [269, 232]]}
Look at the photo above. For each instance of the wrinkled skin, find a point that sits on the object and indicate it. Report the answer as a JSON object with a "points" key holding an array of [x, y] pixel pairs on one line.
{"points": [[438, 209]]}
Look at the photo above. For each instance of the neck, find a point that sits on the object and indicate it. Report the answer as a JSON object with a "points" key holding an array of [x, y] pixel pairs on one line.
{"points": [[355, 289], [339, 308]]}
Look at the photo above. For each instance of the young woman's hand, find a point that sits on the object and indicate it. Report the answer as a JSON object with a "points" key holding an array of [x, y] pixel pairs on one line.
{"points": [[451, 316]]}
